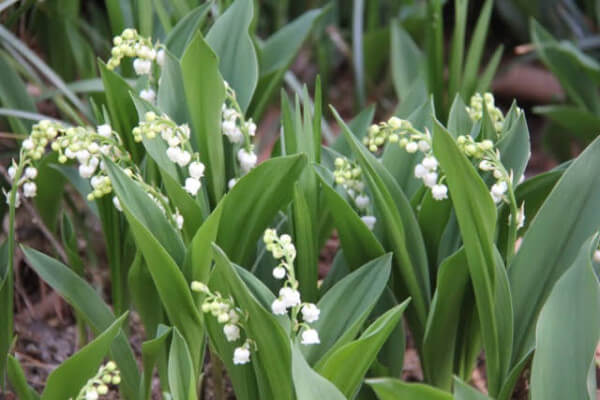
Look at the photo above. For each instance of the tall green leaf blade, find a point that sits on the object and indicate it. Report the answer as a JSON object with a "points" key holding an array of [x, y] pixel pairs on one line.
{"points": [[230, 38], [145, 211], [310, 385], [475, 52], [13, 94], [204, 93], [182, 381], [66, 381], [151, 353], [476, 214], [570, 213], [567, 333], [463, 391], [342, 316], [18, 380], [253, 203], [403, 235], [347, 366], [182, 33], [407, 61]]}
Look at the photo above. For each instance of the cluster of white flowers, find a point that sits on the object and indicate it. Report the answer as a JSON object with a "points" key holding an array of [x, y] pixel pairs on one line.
{"points": [[238, 131], [179, 151], [489, 161], [131, 44], [349, 175], [87, 146], [284, 250], [475, 109], [97, 386], [226, 313], [400, 131]]}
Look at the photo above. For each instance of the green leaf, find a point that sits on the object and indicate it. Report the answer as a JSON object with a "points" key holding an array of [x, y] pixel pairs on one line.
{"points": [[18, 380], [394, 389], [181, 34], [182, 380], [6, 309], [13, 94], [458, 47], [359, 244], [230, 38], [272, 359], [310, 385], [567, 332], [575, 120], [276, 55], [402, 233], [153, 350], [66, 381], [570, 215], [145, 211], [253, 203], [50, 189], [305, 239], [459, 121], [514, 148], [347, 366], [81, 296], [475, 52], [476, 214], [407, 61], [342, 316], [463, 391], [123, 116], [204, 93], [444, 320], [359, 125], [485, 80]]}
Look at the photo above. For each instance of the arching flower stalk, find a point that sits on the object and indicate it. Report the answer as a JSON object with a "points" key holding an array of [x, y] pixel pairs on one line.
{"points": [[87, 146], [147, 58], [240, 132], [98, 386], [231, 317], [400, 131], [282, 248], [348, 174]]}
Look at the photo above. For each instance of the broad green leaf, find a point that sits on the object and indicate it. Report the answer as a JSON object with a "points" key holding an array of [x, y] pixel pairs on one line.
{"points": [[476, 214], [570, 66], [152, 350], [13, 94], [144, 294], [50, 185], [66, 381], [443, 321], [181, 34], [359, 244], [394, 389], [433, 216], [402, 233], [458, 47], [182, 381], [463, 391], [305, 240], [514, 147], [251, 205], [230, 38], [308, 384], [407, 61], [567, 333], [204, 93], [342, 316], [170, 282], [141, 207], [272, 359], [570, 214], [276, 55], [85, 299], [347, 366], [459, 121], [123, 116], [575, 120], [18, 380]]}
